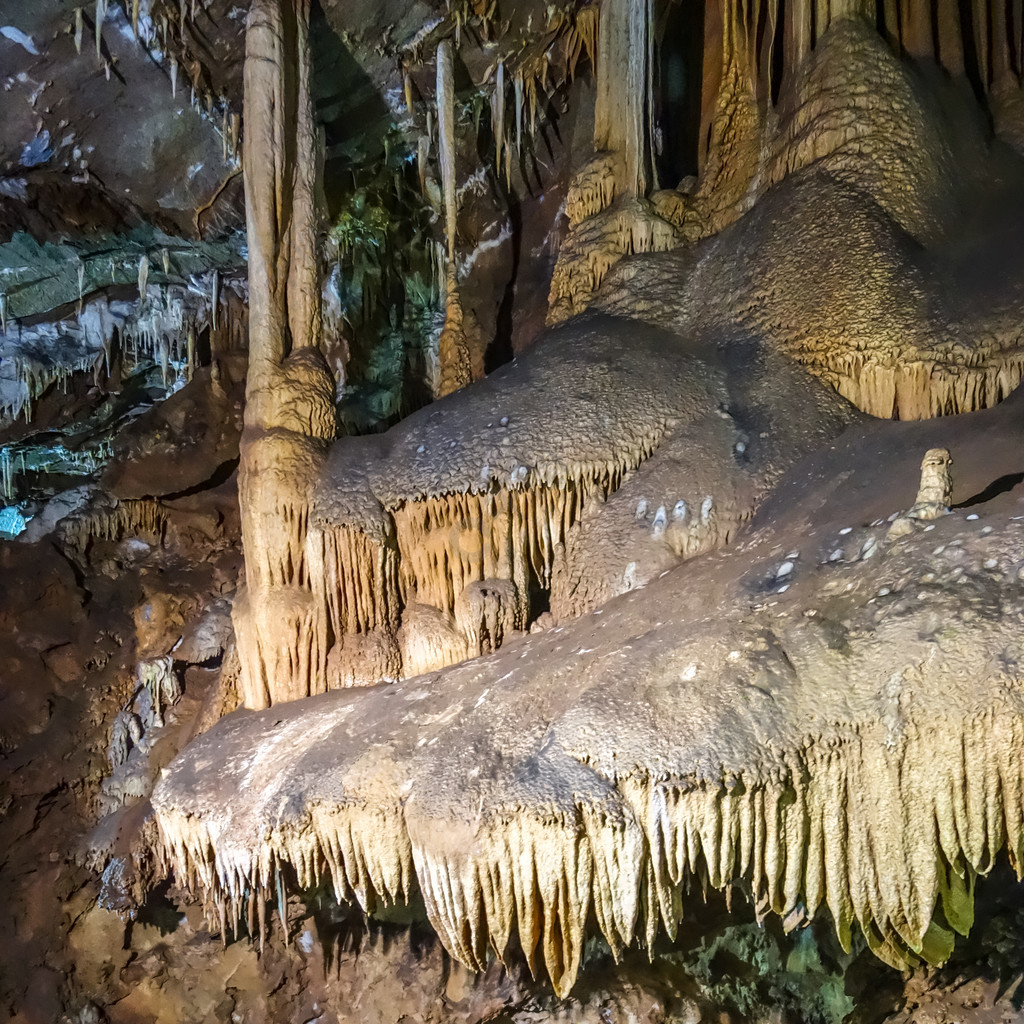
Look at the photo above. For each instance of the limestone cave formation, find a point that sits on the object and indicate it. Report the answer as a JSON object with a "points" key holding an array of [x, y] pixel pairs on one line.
{"points": [[512, 512]]}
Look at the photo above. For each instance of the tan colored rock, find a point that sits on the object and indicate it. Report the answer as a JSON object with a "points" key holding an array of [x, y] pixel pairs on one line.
{"points": [[289, 390], [935, 494], [698, 731]]}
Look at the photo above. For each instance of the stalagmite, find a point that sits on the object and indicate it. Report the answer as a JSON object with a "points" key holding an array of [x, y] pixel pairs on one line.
{"points": [[453, 346], [289, 411], [487, 612], [935, 494]]}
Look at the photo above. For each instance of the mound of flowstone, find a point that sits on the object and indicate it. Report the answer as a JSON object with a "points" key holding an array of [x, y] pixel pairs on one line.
{"points": [[831, 715]]}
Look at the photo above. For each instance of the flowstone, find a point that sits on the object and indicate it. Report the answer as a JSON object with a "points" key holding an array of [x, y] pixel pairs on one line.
{"points": [[827, 719], [522, 479]]}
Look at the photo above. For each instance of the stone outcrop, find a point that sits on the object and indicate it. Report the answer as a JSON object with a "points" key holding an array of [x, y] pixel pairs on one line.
{"points": [[794, 717]]}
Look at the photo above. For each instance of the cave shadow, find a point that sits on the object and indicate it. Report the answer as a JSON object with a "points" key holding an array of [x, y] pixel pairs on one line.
{"points": [[343, 95], [993, 951], [1001, 485], [677, 92], [158, 911]]}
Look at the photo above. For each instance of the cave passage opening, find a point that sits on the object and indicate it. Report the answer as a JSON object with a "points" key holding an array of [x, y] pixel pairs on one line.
{"points": [[679, 77]]}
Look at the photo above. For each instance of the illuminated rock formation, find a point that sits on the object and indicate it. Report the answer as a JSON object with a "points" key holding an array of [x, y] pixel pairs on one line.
{"points": [[490, 484], [448, 498], [935, 494], [716, 640], [289, 391], [855, 146], [789, 717]]}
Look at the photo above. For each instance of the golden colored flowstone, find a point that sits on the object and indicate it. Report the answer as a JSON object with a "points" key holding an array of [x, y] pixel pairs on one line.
{"points": [[845, 740]]}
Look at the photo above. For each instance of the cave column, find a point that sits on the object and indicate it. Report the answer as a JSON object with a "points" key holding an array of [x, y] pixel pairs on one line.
{"points": [[289, 415], [623, 105]]}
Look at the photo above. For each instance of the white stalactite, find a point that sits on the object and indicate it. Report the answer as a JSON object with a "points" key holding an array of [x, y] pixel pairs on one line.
{"points": [[498, 114], [143, 276], [101, 13], [446, 134]]}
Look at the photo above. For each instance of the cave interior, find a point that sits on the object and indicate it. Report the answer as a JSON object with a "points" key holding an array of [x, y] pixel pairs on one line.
{"points": [[512, 512]]}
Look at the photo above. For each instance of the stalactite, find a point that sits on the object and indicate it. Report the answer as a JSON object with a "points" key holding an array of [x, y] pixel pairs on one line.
{"points": [[498, 114], [980, 13], [446, 135], [629, 226], [901, 869], [1002, 56], [623, 165], [158, 677], [583, 37], [101, 13], [214, 296], [143, 277], [6, 475], [920, 389], [517, 89], [407, 89], [141, 517], [798, 40], [471, 556]]}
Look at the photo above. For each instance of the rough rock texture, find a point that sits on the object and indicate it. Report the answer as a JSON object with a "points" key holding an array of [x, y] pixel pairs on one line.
{"points": [[851, 199], [289, 394], [807, 720], [490, 483], [902, 317]]}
